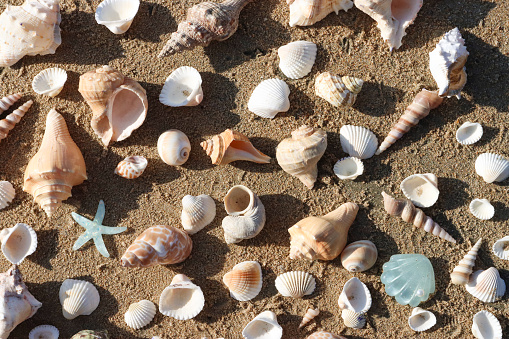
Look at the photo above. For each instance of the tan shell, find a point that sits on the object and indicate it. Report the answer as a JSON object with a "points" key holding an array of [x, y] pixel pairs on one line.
{"points": [[7, 124], [78, 297], [359, 256], [244, 280], [308, 12], [131, 167], [461, 273], [181, 300], [338, 91], [310, 315], [324, 335]]}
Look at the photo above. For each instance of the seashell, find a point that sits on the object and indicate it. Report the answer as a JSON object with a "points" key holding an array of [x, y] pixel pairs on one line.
{"points": [[197, 212], [421, 189], [7, 194], [338, 91], [408, 277], [117, 15], [348, 168], [308, 12], [113, 120], [501, 248], [44, 332], [18, 242], [232, 146], [392, 16], [263, 326], [322, 238], [29, 29], [411, 214], [246, 215], [181, 300], [16, 303], [244, 280], [7, 124], [78, 297], [492, 167], [299, 155], [359, 256], [89, 334], [297, 58], [353, 319], [423, 103], [56, 167], [461, 273], [269, 98], [486, 326], [446, 63], [469, 133], [482, 209], [205, 22], [131, 167], [324, 335], [310, 315], [140, 314], [421, 320], [355, 297], [358, 141], [50, 81], [182, 88], [173, 147], [486, 285], [158, 245], [295, 284]]}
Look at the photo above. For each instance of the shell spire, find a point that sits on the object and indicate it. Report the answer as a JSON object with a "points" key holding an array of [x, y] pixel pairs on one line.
{"points": [[462, 272], [7, 124], [310, 315]]}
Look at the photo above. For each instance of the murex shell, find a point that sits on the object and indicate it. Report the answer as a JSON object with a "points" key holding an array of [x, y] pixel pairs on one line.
{"points": [[44, 332], [263, 326], [348, 168], [173, 147], [486, 326], [482, 209], [49, 81], [131, 167], [7, 194], [269, 98], [78, 297], [354, 301], [338, 91], [181, 300], [486, 285], [359, 256], [421, 320], [140, 314], [117, 15], [297, 58], [461, 273], [492, 167], [244, 280], [295, 284], [501, 248], [307, 12], [421, 189], [469, 133], [358, 141], [18, 242], [197, 212], [182, 88]]}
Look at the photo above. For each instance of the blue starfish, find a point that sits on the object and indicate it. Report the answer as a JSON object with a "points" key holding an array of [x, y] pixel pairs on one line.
{"points": [[95, 230]]}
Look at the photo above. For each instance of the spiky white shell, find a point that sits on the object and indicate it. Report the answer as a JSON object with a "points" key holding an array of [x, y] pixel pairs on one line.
{"points": [[244, 281], [297, 58], [421, 320], [269, 98], [421, 189], [78, 297], [18, 242], [140, 314], [295, 284], [131, 167], [469, 133], [263, 326], [482, 209], [353, 319], [50, 81], [355, 296], [174, 147], [181, 300], [358, 141], [501, 248], [197, 212], [486, 326], [348, 168], [7, 194], [117, 15], [44, 332], [492, 167], [182, 88], [486, 285]]}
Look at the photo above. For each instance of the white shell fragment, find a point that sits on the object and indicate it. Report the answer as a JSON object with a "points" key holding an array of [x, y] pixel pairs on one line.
{"points": [[482, 209], [78, 297], [44, 332], [140, 314], [421, 320], [197, 212], [354, 301], [486, 285], [50, 81], [263, 326], [421, 189], [181, 300], [297, 58], [469, 133], [18, 242], [7, 194], [501, 248], [269, 98], [173, 147], [492, 167], [486, 326], [182, 88], [358, 141], [295, 284], [131, 167], [117, 15], [348, 168]]}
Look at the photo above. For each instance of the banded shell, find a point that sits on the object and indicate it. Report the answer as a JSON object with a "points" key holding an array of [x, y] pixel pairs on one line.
{"points": [[324, 335], [486, 326], [421, 320], [469, 133], [244, 280], [501, 248], [461, 273], [89, 334], [182, 88], [50, 81], [7, 194], [297, 58], [197, 212], [310, 315], [269, 98], [140, 314], [359, 256], [355, 297], [181, 300], [358, 141], [338, 91], [10, 121], [78, 297], [348, 168], [117, 15], [44, 332], [308, 12], [353, 319], [131, 167], [492, 167], [295, 284], [173, 147], [486, 285], [18, 242], [263, 326], [421, 189], [482, 209]]}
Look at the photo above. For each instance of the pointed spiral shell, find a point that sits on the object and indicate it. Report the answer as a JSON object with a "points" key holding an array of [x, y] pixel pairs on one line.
{"points": [[7, 124], [310, 315], [462, 272]]}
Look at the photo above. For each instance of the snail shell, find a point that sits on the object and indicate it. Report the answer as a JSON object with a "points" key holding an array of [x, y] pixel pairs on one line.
{"points": [[173, 147], [7, 124], [338, 91], [359, 256], [131, 167]]}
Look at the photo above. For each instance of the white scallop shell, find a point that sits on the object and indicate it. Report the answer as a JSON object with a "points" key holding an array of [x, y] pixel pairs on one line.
{"points": [[421, 189], [78, 297], [482, 209], [182, 88], [348, 168], [7, 194], [174, 147], [353, 319], [469, 133], [295, 284], [297, 58], [18, 242], [492, 167], [50, 81], [486, 285], [269, 98], [181, 300], [263, 326], [131, 167], [421, 320], [501, 248], [117, 15], [358, 141], [486, 326], [140, 314], [197, 212], [355, 296], [44, 332]]}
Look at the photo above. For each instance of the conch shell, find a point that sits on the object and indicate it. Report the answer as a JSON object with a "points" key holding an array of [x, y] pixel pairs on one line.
{"points": [[113, 120], [56, 167], [12, 119], [308, 12], [322, 238]]}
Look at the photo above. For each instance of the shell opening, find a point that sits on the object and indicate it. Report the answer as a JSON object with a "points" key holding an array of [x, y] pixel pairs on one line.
{"points": [[238, 200], [124, 101]]}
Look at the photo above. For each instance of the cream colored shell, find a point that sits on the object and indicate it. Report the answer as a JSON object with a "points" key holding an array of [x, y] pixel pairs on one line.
{"points": [[197, 212], [44, 332], [269, 98], [486, 285], [7, 194], [469, 133], [117, 15], [308, 12], [263, 326], [338, 91], [348, 168], [501, 248], [421, 320], [78, 297], [297, 58], [18, 242], [421, 189], [486, 326], [461, 273], [358, 141], [173, 147], [244, 280], [482, 209], [295, 284], [50, 81], [140, 314], [181, 300], [359, 256], [492, 167], [182, 88]]}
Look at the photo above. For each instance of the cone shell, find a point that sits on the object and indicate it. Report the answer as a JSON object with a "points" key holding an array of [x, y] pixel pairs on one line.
{"points": [[358, 141], [140, 314], [308, 12], [182, 88], [492, 167], [461, 273], [8, 123], [269, 98], [297, 58], [469, 133], [295, 284], [486, 285], [310, 315], [181, 300], [263, 326], [18, 242], [131, 167], [338, 91], [78, 297], [173, 147], [353, 319], [501, 248], [7, 194], [421, 189], [197, 212], [355, 297], [324, 335], [50, 81], [117, 15], [359, 256], [244, 281], [348, 168], [44, 332], [482, 209], [421, 320], [486, 326]]}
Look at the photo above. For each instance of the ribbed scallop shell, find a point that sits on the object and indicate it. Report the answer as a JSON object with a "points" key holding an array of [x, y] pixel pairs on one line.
{"points": [[358, 141], [297, 58], [174, 147], [140, 314], [324, 335], [295, 284], [501, 248], [269, 98], [244, 280], [469, 133], [348, 168], [492, 167], [355, 297], [197, 212], [182, 88], [117, 15], [131, 167], [50, 81], [44, 332], [421, 189], [78, 297], [486, 285], [482, 209], [181, 300], [353, 319], [18, 242], [338, 91], [263, 326], [359, 256], [486, 326], [421, 320], [7, 194]]}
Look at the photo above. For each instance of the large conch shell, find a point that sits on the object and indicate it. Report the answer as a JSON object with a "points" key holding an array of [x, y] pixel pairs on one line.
{"points": [[56, 167], [308, 12], [113, 120], [324, 237], [12, 119], [299, 154], [29, 29], [16, 303], [205, 22]]}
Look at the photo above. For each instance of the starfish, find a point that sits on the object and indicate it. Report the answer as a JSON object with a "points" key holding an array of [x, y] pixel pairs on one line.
{"points": [[95, 230]]}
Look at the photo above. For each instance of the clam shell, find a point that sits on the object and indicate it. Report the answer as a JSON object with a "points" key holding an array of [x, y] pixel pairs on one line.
{"points": [[501, 248], [181, 300], [182, 88], [295, 284], [297, 58], [359, 256], [492, 167], [358, 141], [18, 242], [7, 194], [140, 314], [353, 319], [174, 147], [131, 167], [50, 81], [269, 98], [486, 326], [348, 168], [421, 320], [421, 189], [355, 297], [78, 297], [117, 15], [197, 212], [44, 332], [486, 285], [263, 326], [482, 209], [244, 281], [469, 133]]}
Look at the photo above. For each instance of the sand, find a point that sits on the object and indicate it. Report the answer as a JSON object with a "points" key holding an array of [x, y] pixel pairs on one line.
{"points": [[348, 43]]}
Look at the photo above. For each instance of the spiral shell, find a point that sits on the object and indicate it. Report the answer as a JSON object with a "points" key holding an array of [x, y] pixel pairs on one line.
{"points": [[310, 315], [269, 98], [338, 91], [486, 285], [295, 284], [359, 256], [244, 280], [358, 141], [181, 300], [197, 212], [7, 124], [461, 273], [492, 167], [78, 297], [131, 167], [140, 314], [7, 194], [173, 147], [297, 58], [50, 81], [308, 12], [18, 242]]}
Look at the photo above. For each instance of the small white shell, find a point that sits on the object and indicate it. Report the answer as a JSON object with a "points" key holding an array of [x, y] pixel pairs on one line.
{"points": [[492, 167], [358, 141], [131, 167], [421, 320], [117, 15], [18, 242], [486, 326], [50, 81], [353, 319], [263, 326], [355, 296], [197, 212], [348, 168], [469, 133], [421, 189], [295, 284], [486, 285], [7, 194], [482, 209], [297, 58], [174, 147], [78, 297], [140, 314], [269, 98], [44, 332], [181, 300], [182, 88], [244, 281], [501, 248]]}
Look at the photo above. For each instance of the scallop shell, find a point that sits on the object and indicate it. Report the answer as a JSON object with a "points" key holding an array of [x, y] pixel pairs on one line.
{"points": [[469, 133], [78, 297], [355, 297], [197, 212], [486, 285], [44, 332], [18, 242], [117, 15], [140, 314], [421, 189], [308, 12], [182, 88], [358, 141], [50, 81], [297, 58], [269, 98], [421, 320], [263, 326], [131, 167], [295, 284], [486, 326], [359, 256], [492, 167], [338, 91], [7, 194], [501, 248], [244, 280], [324, 335], [173, 147], [353, 319], [482, 209], [310, 315], [348, 168], [181, 300]]}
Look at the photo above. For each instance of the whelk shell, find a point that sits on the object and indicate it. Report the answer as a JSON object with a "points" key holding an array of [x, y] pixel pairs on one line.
{"points": [[18, 242], [358, 141], [492, 167], [197, 212], [421, 189], [486, 326], [295, 284], [244, 280], [117, 15], [44, 332], [182, 88], [269, 98], [469, 133], [486, 285], [324, 335], [310, 315], [359, 256], [78, 297], [181, 300], [50, 81], [7, 124], [140, 314], [355, 297], [461, 273], [308, 12], [501, 248], [338, 91], [173, 147], [263, 326], [7, 194], [421, 320], [131, 167], [348, 168], [482, 209], [297, 58]]}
